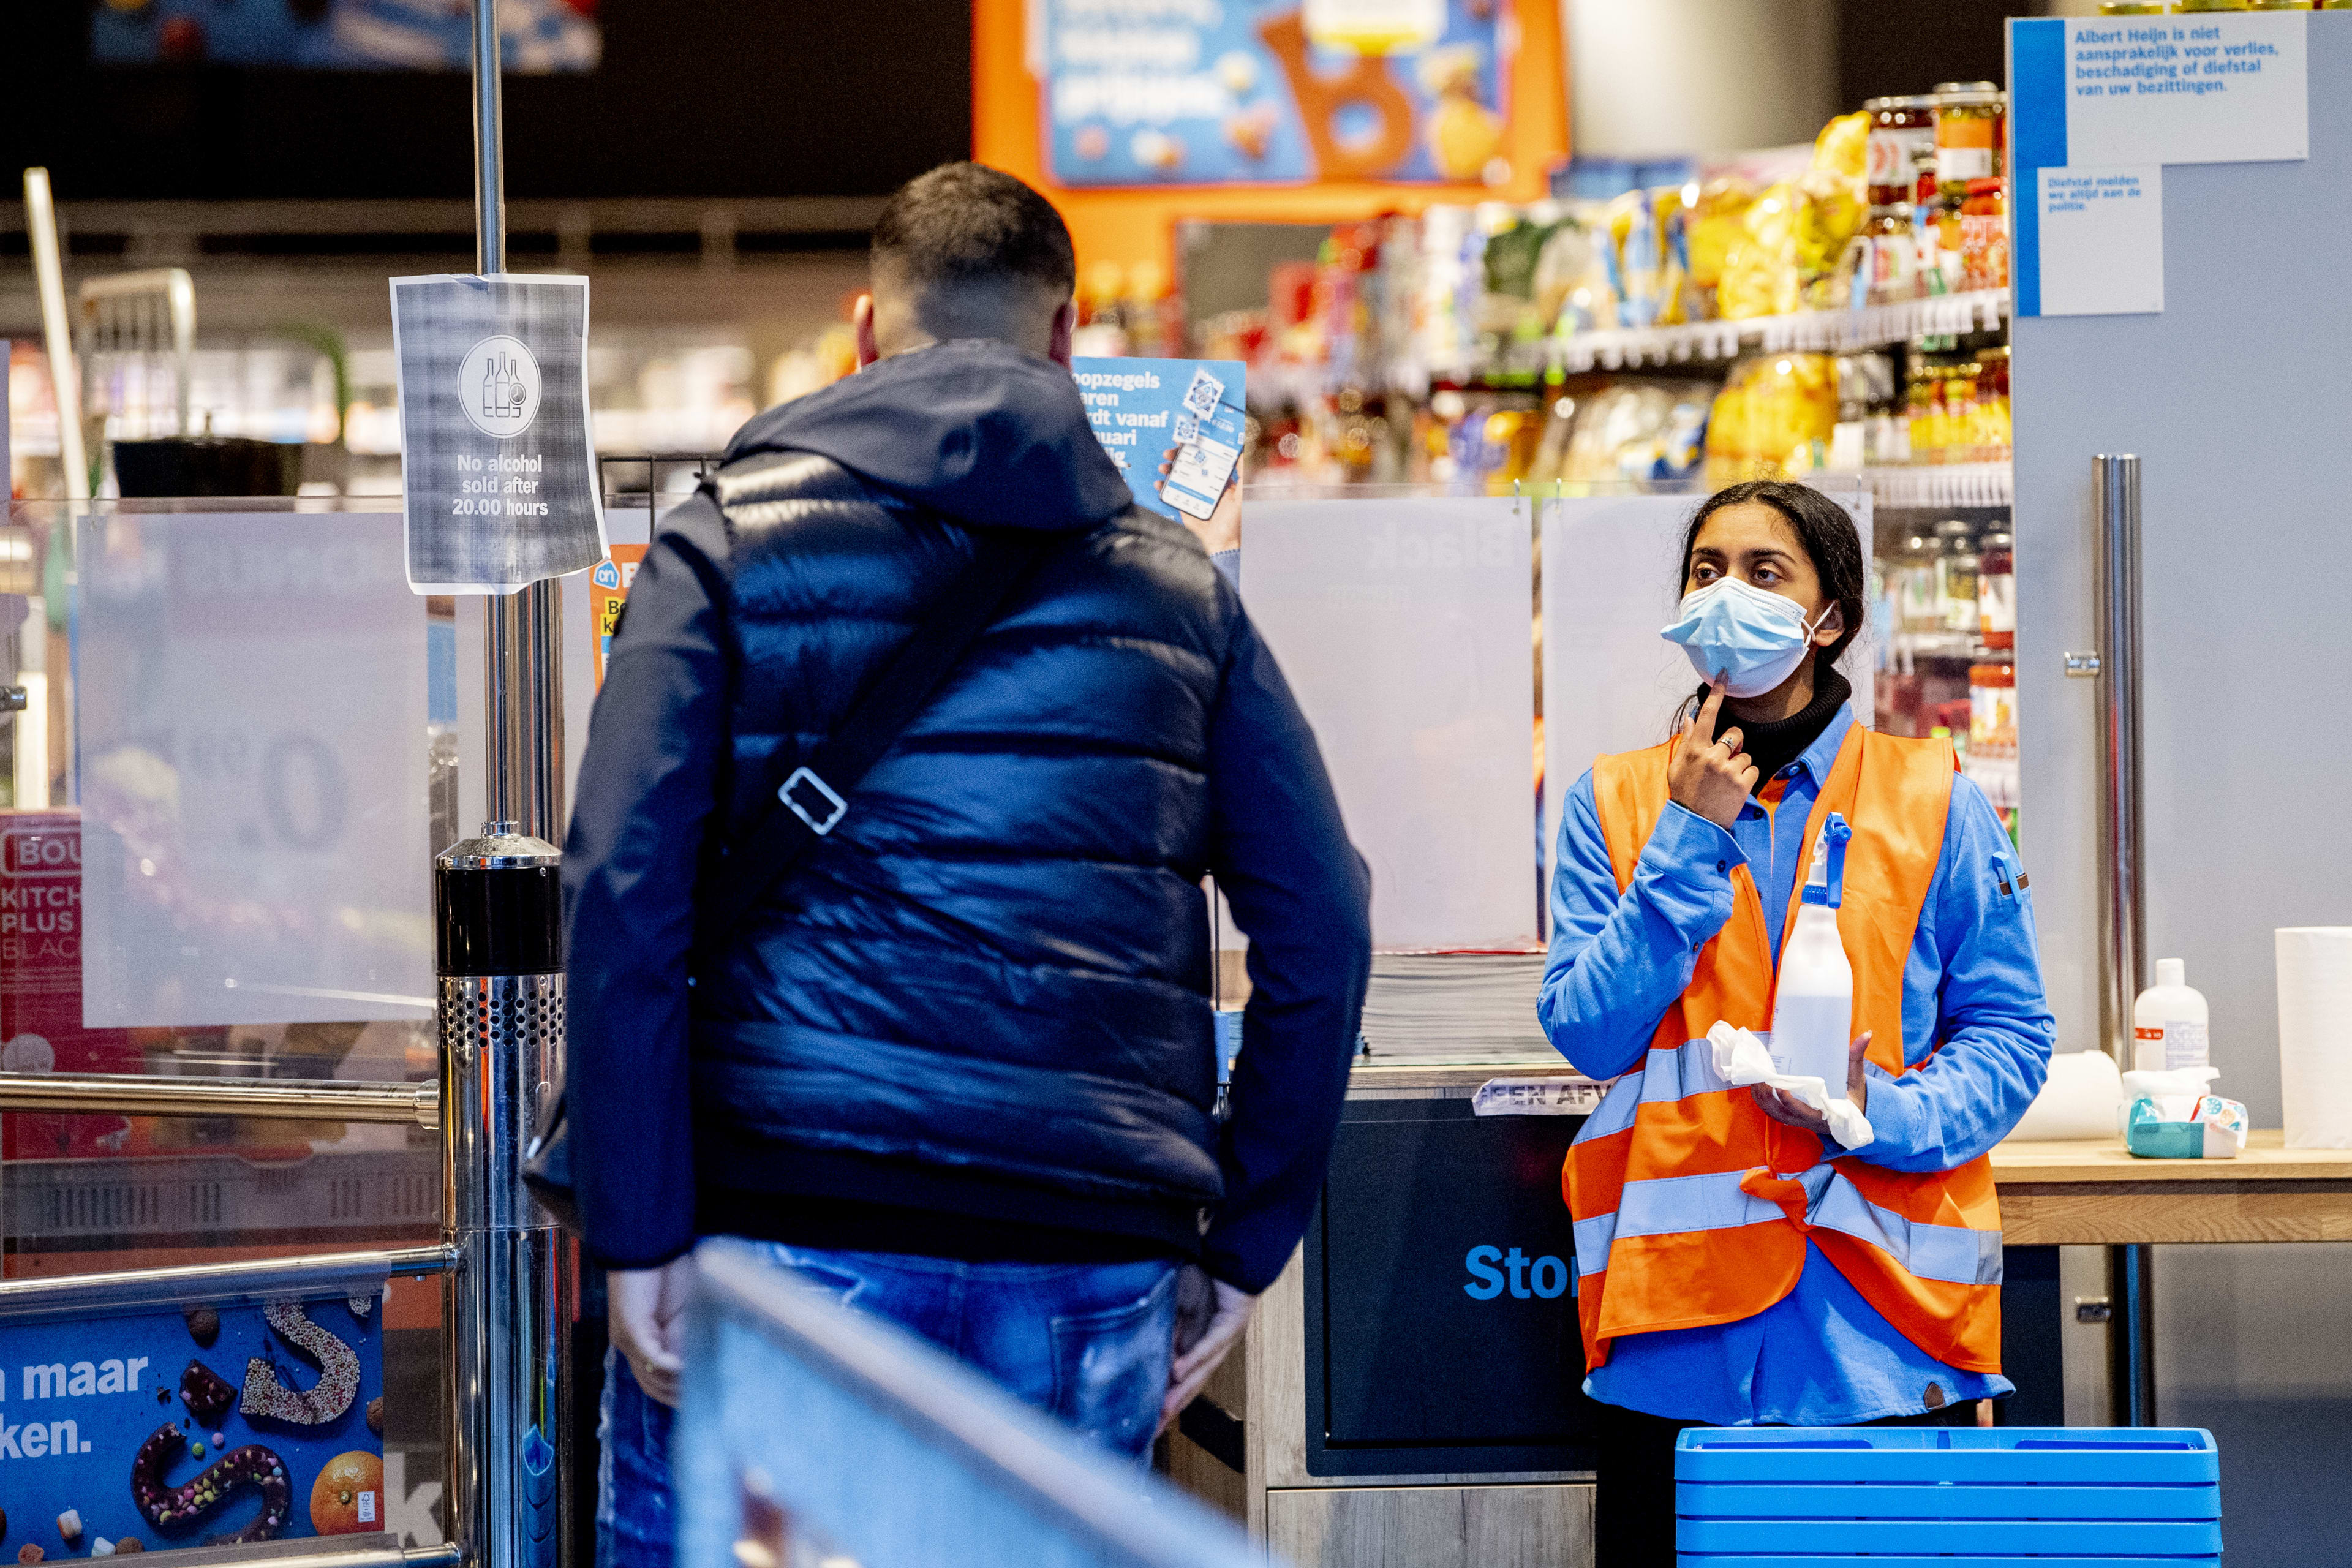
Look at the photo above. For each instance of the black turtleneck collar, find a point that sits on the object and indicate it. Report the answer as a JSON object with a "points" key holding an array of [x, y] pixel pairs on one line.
{"points": [[1774, 746]]}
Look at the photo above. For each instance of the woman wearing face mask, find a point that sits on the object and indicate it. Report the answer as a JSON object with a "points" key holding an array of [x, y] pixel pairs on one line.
{"points": [[1736, 1264]]}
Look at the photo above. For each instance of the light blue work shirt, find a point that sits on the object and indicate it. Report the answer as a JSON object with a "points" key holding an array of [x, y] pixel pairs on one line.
{"points": [[1972, 999]]}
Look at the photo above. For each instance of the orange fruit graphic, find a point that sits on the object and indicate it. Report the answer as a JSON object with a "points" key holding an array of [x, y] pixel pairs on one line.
{"points": [[337, 1496]]}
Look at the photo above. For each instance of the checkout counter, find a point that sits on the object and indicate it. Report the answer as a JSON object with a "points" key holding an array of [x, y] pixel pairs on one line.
{"points": [[1397, 1404]]}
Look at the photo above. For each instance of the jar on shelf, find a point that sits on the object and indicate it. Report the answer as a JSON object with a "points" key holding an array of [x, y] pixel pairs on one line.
{"points": [[1996, 592], [1957, 565], [1916, 582], [1970, 118], [1984, 235], [1902, 131]]}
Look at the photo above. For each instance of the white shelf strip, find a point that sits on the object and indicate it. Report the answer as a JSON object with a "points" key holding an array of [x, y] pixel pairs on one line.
{"points": [[1812, 331], [1934, 485]]}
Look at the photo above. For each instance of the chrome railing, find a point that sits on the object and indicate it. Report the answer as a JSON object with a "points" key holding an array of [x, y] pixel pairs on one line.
{"points": [[293, 1098], [809, 1432]]}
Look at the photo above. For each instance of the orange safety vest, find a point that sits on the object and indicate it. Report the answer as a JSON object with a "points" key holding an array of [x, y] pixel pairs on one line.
{"points": [[1692, 1206]]}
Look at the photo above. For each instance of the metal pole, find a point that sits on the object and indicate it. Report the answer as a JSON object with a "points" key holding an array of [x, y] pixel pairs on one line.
{"points": [[2122, 907], [2121, 910], [65, 381], [499, 954], [510, 1310]]}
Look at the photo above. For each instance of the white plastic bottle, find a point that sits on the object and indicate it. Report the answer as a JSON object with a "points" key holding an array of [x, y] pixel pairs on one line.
{"points": [[2168, 1022], [1813, 1008]]}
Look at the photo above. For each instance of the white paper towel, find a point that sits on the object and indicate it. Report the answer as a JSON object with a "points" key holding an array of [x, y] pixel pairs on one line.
{"points": [[2314, 1003], [2082, 1098], [1740, 1059]]}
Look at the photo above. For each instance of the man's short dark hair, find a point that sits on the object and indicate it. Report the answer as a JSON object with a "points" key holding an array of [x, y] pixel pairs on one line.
{"points": [[966, 223]]}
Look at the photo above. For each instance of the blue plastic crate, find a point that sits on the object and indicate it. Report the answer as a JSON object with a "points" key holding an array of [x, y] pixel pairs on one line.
{"points": [[1948, 1497]]}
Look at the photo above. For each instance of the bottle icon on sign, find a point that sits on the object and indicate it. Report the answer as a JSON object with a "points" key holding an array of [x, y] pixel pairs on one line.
{"points": [[503, 392]]}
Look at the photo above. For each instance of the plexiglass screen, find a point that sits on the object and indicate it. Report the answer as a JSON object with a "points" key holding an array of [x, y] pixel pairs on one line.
{"points": [[252, 771], [1404, 628]]}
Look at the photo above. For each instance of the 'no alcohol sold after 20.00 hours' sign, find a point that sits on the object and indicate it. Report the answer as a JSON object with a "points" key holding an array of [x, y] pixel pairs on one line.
{"points": [[496, 458]]}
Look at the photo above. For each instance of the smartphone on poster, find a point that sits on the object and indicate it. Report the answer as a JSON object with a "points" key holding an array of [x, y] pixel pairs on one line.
{"points": [[1142, 410]]}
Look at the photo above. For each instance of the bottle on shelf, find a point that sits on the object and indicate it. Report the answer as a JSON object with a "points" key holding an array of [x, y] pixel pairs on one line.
{"points": [[1918, 610], [1996, 592], [1992, 404], [1957, 565], [2169, 1023]]}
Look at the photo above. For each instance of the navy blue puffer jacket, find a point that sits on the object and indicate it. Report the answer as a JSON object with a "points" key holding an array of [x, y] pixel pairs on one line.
{"points": [[986, 991]]}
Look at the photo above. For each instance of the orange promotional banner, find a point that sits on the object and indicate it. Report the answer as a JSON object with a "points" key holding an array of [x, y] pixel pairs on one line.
{"points": [[1264, 110], [608, 590]]}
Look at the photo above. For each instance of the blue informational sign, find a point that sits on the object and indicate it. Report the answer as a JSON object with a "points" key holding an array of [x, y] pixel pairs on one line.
{"points": [[536, 37], [1203, 92], [1184, 416], [157, 1430]]}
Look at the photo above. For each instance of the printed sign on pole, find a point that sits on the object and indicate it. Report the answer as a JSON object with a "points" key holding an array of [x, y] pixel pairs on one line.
{"points": [[495, 454]]}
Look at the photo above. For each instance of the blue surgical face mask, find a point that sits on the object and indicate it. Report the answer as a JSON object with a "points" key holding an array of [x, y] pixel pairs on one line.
{"points": [[1733, 628]]}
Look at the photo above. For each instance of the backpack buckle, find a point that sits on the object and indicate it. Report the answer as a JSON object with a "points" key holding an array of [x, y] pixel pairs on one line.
{"points": [[804, 776]]}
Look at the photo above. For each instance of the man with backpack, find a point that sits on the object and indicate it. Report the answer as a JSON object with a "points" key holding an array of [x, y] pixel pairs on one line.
{"points": [[888, 947]]}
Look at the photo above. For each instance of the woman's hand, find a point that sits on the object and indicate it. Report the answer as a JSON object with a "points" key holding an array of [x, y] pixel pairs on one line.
{"points": [[1786, 1108], [1712, 779]]}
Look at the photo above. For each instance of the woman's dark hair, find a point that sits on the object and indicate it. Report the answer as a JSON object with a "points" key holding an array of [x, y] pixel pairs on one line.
{"points": [[1825, 529]]}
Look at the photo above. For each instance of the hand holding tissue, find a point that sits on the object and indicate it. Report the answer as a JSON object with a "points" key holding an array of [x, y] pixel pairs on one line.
{"points": [[1741, 1059]]}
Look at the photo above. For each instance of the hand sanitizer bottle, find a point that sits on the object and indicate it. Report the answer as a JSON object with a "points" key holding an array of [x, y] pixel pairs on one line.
{"points": [[1812, 1006], [2168, 1022]]}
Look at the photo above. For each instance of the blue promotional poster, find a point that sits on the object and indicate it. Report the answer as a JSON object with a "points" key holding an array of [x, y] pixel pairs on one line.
{"points": [[1183, 414], [203, 1427], [536, 37], [1194, 92]]}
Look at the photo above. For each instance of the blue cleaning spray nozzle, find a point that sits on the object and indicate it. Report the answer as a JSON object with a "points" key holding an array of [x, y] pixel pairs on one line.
{"points": [[1827, 883]]}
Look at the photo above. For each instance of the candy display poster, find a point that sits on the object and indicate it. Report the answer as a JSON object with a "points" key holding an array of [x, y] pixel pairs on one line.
{"points": [[203, 1427], [1276, 91], [1186, 413]]}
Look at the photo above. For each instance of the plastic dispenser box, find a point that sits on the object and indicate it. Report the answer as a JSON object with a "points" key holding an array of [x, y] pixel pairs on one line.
{"points": [[1947, 1496]]}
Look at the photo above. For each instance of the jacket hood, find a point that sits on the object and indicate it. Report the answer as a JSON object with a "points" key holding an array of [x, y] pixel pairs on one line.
{"points": [[979, 430]]}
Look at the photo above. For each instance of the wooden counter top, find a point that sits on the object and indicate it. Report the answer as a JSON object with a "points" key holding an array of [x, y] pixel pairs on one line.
{"points": [[2095, 1193], [2265, 1157]]}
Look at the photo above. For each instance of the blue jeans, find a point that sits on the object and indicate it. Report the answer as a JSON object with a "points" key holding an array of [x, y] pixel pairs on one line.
{"points": [[1087, 1343]]}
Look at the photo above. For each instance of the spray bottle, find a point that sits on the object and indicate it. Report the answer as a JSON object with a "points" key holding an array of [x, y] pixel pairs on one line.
{"points": [[1812, 1010]]}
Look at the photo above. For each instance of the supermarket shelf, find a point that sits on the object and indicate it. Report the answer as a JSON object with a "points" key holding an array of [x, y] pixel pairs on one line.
{"points": [[1944, 485], [1823, 331]]}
